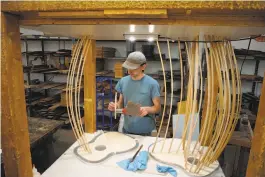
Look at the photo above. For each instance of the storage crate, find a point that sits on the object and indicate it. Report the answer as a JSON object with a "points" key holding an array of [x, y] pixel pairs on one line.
{"points": [[105, 52], [118, 70]]}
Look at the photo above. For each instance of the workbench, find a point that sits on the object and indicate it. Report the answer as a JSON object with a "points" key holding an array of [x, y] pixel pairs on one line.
{"points": [[40, 128], [40, 134], [69, 165]]}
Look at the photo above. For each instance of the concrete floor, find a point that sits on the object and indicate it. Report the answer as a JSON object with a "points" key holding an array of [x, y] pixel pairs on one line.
{"points": [[48, 152], [64, 138]]}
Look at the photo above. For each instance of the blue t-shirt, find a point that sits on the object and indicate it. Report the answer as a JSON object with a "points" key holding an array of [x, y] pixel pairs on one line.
{"points": [[142, 92]]}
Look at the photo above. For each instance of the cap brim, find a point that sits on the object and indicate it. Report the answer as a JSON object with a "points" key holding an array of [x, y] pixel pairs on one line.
{"points": [[129, 65]]}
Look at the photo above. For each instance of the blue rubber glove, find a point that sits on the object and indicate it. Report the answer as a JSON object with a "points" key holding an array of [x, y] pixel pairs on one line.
{"points": [[139, 163], [166, 169]]}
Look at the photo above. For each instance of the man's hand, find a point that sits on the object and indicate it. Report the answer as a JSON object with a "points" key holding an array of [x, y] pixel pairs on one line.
{"points": [[144, 111], [112, 106]]}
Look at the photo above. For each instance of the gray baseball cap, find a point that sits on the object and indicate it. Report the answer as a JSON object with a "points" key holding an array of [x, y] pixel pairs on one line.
{"points": [[134, 60]]}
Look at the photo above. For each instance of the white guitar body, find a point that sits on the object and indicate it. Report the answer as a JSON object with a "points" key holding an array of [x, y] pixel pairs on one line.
{"points": [[105, 145], [177, 158]]}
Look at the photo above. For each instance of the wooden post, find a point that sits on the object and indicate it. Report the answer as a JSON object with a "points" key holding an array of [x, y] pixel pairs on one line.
{"points": [[256, 162], [15, 136], [90, 89]]}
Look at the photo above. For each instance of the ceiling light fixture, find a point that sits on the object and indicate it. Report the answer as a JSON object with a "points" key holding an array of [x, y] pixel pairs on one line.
{"points": [[151, 28], [141, 37], [132, 28], [132, 38], [150, 39]]}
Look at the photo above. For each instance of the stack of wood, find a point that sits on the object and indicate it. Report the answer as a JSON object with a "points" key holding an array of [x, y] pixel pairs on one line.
{"points": [[105, 52], [63, 101], [63, 98], [118, 70]]}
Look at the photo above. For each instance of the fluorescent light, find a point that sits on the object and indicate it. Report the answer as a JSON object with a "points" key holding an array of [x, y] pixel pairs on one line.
{"points": [[132, 28], [151, 28], [132, 38], [150, 39], [143, 37]]}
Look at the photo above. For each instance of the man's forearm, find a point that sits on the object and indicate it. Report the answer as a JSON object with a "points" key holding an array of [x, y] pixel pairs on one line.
{"points": [[153, 109]]}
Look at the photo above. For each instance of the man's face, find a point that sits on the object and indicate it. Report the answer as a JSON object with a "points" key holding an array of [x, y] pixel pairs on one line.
{"points": [[136, 72]]}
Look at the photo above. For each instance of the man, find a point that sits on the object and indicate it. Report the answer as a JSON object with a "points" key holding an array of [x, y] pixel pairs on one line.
{"points": [[138, 88]]}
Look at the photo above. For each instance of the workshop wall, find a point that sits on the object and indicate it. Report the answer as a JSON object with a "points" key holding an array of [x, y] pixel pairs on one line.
{"points": [[152, 67], [249, 65]]}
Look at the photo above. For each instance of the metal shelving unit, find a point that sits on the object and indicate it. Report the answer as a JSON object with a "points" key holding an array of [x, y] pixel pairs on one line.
{"points": [[255, 56], [101, 95], [37, 104]]}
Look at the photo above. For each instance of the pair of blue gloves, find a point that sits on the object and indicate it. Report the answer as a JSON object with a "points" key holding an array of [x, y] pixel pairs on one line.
{"points": [[140, 163]]}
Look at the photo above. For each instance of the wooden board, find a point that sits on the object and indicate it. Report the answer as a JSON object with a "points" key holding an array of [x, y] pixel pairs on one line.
{"points": [[15, 136], [89, 90], [240, 139], [256, 167]]}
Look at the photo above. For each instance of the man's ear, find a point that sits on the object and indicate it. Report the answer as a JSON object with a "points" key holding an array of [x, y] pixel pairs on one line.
{"points": [[143, 67]]}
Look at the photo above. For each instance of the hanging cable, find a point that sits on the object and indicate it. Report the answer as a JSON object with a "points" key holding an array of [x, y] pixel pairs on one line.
{"points": [[245, 56], [241, 39]]}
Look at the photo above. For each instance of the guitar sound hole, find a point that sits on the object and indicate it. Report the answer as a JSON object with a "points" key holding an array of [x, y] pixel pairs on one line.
{"points": [[191, 159], [100, 147]]}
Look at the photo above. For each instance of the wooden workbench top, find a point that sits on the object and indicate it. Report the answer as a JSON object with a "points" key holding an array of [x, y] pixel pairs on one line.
{"points": [[41, 127], [109, 168]]}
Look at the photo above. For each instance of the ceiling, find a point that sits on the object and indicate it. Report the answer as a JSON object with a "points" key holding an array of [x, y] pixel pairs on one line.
{"points": [[116, 32]]}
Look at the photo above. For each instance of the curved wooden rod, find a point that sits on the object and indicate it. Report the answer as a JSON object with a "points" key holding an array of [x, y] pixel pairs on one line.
{"points": [[188, 107], [181, 95], [229, 112], [219, 122], [86, 50], [115, 109], [194, 100], [76, 117], [72, 89], [222, 106], [74, 79], [69, 89], [227, 115], [197, 118], [165, 96], [171, 98]]}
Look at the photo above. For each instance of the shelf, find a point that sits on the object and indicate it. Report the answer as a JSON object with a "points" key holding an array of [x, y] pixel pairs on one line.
{"points": [[64, 72], [33, 38], [253, 78], [42, 100], [124, 58], [37, 53], [58, 104], [46, 85], [164, 59], [249, 54], [249, 58], [40, 70]]}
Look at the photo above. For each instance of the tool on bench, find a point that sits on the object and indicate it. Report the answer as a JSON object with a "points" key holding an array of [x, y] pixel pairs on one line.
{"points": [[136, 153], [139, 162]]}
